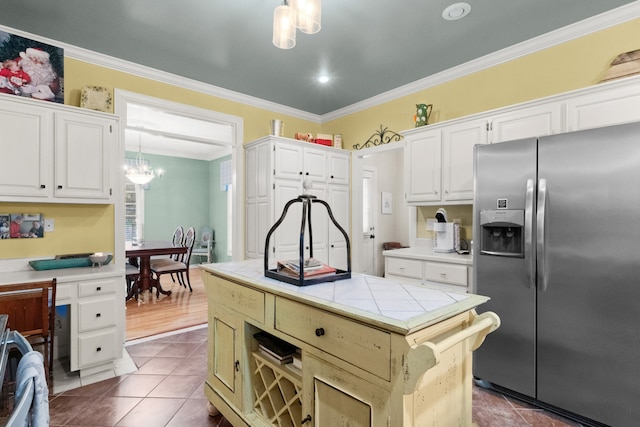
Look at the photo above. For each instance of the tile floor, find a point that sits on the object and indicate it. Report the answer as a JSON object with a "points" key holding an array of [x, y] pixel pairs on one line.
{"points": [[167, 390]]}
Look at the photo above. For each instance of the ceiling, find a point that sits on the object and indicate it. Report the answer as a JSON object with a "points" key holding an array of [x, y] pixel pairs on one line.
{"points": [[368, 47]]}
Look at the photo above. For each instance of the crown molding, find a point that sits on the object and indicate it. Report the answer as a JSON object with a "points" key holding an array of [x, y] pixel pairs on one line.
{"points": [[605, 20], [591, 25]]}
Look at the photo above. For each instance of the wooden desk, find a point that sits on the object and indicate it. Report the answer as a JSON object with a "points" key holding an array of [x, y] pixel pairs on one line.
{"points": [[143, 252]]}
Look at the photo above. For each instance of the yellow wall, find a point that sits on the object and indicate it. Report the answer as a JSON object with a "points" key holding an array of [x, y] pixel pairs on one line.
{"points": [[78, 229], [572, 65]]}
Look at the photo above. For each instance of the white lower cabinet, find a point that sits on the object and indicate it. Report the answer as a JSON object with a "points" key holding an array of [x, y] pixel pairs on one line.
{"points": [[97, 321], [448, 276]]}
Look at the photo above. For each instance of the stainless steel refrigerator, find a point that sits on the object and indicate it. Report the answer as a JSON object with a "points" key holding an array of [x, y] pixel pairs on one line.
{"points": [[557, 248]]}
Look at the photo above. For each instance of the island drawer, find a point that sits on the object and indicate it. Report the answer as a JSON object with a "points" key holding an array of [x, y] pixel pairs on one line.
{"points": [[361, 345], [242, 299], [96, 348], [97, 287], [404, 267], [446, 273], [96, 313]]}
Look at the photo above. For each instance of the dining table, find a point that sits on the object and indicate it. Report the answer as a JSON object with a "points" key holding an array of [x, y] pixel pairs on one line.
{"points": [[140, 253]]}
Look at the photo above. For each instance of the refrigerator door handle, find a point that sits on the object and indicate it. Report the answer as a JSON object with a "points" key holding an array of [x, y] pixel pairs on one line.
{"points": [[540, 246], [528, 233]]}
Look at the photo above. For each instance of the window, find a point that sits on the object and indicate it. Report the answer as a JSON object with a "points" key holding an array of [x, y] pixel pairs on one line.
{"points": [[133, 211]]}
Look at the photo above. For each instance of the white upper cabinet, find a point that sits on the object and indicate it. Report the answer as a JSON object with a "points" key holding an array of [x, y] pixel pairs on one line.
{"points": [[422, 166], [457, 160], [27, 147], [58, 154], [295, 161], [604, 105], [339, 168], [84, 147], [527, 122]]}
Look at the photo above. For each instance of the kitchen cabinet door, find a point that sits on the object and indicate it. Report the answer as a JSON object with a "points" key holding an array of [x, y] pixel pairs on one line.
{"points": [[225, 338], [84, 146], [458, 141], [606, 105], [422, 167], [339, 199], [27, 147], [339, 170], [539, 120]]}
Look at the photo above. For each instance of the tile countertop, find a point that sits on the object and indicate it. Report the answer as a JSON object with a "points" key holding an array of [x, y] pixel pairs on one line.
{"points": [[62, 275], [394, 306], [427, 254]]}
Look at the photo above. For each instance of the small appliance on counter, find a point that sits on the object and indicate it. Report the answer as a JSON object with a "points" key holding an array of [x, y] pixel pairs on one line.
{"points": [[447, 234]]}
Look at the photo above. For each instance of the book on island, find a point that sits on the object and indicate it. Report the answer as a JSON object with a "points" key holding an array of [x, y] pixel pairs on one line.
{"points": [[275, 346], [311, 268]]}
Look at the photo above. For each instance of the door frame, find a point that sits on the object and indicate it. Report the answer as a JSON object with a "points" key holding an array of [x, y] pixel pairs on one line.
{"points": [[357, 167]]}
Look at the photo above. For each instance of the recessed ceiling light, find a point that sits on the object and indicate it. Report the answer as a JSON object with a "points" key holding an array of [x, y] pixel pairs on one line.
{"points": [[456, 11], [324, 78]]}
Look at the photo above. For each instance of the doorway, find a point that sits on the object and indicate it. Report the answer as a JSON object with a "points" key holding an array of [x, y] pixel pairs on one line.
{"points": [[184, 135], [369, 195]]}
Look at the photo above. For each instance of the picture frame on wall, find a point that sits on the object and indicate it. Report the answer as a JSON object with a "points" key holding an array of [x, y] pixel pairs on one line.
{"points": [[387, 203], [23, 226], [31, 69]]}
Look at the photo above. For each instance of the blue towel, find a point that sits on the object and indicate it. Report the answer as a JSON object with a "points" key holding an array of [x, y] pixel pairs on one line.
{"points": [[31, 368]]}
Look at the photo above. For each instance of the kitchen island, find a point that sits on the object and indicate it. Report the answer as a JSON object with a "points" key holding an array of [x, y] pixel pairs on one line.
{"points": [[372, 352]]}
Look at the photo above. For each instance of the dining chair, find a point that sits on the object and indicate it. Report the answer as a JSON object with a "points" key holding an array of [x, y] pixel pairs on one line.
{"points": [[31, 308], [180, 266], [132, 274], [202, 248]]}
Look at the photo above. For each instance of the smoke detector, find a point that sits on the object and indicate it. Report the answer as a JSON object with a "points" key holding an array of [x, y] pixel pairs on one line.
{"points": [[456, 11]]}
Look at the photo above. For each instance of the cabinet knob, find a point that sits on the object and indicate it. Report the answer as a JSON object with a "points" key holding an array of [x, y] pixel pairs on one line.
{"points": [[331, 176], [237, 365], [300, 173], [43, 186], [98, 315], [319, 332], [98, 288], [307, 173], [306, 419], [59, 187], [99, 349]]}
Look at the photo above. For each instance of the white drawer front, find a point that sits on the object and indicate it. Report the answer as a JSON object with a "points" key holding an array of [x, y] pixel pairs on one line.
{"points": [[98, 287], [446, 273], [404, 267], [64, 292], [96, 314], [97, 348]]}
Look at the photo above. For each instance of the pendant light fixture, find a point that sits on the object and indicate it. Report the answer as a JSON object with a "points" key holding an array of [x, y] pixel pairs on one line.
{"points": [[308, 15], [284, 26], [302, 14], [140, 172]]}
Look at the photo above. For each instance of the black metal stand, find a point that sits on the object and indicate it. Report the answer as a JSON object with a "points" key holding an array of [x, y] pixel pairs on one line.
{"points": [[307, 201]]}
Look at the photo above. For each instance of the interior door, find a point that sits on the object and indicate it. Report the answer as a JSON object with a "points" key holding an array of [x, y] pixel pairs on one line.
{"points": [[369, 192]]}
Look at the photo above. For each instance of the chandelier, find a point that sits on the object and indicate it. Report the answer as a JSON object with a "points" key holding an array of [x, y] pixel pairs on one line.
{"points": [[140, 172], [301, 14]]}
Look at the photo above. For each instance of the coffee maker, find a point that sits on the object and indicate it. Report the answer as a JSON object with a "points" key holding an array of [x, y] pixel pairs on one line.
{"points": [[447, 234]]}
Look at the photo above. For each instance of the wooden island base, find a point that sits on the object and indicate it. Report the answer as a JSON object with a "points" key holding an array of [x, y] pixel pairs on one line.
{"points": [[359, 368]]}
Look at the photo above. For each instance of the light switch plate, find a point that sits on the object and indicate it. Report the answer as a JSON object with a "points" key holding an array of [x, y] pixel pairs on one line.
{"points": [[49, 225], [430, 222]]}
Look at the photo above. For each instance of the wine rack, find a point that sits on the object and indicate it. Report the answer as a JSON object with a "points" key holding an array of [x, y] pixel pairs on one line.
{"points": [[277, 392]]}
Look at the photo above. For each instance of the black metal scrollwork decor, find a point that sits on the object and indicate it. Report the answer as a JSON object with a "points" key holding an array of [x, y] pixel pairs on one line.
{"points": [[383, 136]]}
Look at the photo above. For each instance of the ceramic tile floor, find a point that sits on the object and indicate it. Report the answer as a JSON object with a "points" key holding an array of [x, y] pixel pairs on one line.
{"points": [[167, 390]]}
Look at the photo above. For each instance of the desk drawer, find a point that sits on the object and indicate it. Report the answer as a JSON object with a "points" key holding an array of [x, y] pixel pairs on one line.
{"points": [[97, 348], [236, 297], [98, 287], [446, 273], [404, 267], [97, 313], [365, 347], [63, 293]]}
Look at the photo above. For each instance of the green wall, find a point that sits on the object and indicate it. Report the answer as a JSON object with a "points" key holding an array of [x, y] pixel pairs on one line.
{"points": [[180, 197], [218, 212]]}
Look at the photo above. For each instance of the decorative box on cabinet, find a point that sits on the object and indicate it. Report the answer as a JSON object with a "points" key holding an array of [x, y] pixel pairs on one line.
{"points": [[358, 367], [59, 154], [275, 170]]}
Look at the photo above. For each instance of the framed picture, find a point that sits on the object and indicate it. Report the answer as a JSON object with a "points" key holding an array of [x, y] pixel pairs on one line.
{"points": [[387, 203], [31, 69], [21, 226]]}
